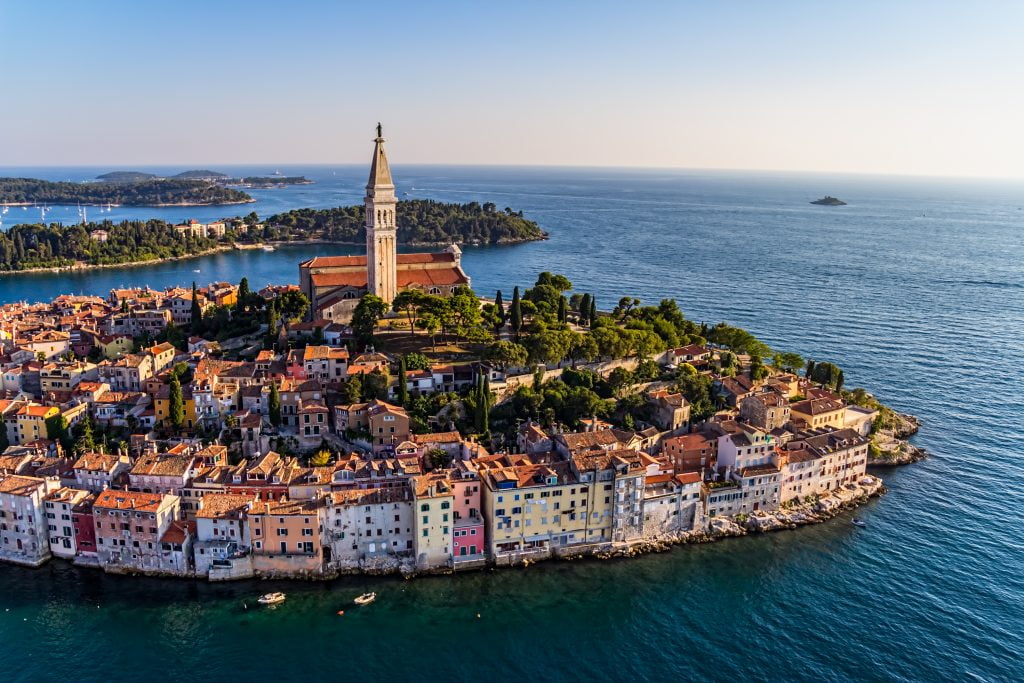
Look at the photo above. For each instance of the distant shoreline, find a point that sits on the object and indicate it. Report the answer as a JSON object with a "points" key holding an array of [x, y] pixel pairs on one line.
{"points": [[84, 267], [251, 200]]}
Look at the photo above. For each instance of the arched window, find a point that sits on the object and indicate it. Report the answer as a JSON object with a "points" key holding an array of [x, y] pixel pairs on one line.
{"points": [[435, 290]]}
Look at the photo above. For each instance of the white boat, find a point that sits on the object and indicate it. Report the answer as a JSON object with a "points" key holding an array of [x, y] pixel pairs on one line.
{"points": [[365, 598], [271, 599], [267, 247], [857, 521]]}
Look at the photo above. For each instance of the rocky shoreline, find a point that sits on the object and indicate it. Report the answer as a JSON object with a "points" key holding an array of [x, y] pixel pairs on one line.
{"points": [[891, 445]]}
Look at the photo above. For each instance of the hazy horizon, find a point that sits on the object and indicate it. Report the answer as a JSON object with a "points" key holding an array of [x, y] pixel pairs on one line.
{"points": [[917, 89]]}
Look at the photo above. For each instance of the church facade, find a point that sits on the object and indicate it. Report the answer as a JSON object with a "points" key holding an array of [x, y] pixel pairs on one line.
{"points": [[334, 284]]}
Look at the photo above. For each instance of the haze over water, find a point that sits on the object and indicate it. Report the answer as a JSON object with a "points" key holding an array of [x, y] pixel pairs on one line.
{"points": [[916, 289]]}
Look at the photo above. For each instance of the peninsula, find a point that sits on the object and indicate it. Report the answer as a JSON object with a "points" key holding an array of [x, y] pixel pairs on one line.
{"points": [[221, 433], [126, 192], [28, 247]]}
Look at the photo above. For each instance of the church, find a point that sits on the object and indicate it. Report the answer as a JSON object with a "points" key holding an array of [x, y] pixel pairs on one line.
{"points": [[334, 284]]}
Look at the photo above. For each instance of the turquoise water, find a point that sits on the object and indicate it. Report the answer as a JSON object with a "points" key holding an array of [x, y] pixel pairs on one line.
{"points": [[916, 289]]}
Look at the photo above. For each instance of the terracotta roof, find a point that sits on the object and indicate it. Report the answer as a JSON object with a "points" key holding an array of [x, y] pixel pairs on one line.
{"points": [[129, 500], [20, 486]]}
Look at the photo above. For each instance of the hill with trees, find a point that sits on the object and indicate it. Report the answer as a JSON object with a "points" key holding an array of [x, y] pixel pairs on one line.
{"points": [[420, 221], [153, 192]]}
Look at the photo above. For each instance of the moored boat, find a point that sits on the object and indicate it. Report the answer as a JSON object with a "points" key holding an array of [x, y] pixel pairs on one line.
{"points": [[857, 521], [272, 598], [365, 598]]}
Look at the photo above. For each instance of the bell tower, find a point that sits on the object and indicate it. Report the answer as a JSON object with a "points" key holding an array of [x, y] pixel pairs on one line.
{"points": [[380, 225]]}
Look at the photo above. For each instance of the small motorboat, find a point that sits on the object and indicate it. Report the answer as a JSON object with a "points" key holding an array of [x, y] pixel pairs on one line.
{"points": [[365, 598], [268, 247], [857, 521], [272, 599]]}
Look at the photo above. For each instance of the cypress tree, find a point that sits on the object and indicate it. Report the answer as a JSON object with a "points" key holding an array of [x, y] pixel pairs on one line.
{"points": [[85, 442], [839, 381], [593, 311], [562, 306], [177, 407], [274, 405], [403, 389], [585, 309], [516, 314], [243, 291], [197, 312], [809, 370], [499, 309]]}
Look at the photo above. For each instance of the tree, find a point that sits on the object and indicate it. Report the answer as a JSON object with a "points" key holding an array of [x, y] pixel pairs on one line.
{"points": [[403, 389], [809, 370], [438, 458], [499, 312], [197, 311], [559, 282], [321, 458], [408, 301], [505, 354], [562, 309], [292, 304], [582, 347], [176, 410], [273, 320], [548, 345], [84, 440], [790, 362], [352, 392], [516, 314], [57, 430], [368, 312], [593, 311], [375, 385], [416, 361], [839, 381], [274, 405], [584, 309], [244, 293]]}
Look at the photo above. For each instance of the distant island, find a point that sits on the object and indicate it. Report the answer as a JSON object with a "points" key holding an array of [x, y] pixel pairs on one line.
{"points": [[828, 200], [261, 182], [124, 192], [28, 247]]}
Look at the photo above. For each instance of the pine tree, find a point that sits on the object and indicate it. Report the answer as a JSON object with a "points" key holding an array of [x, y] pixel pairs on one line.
{"points": [[562, 306], [177, 406], [403, 389], [516, 313], [274, 405], [85, 443], [593, 311]]}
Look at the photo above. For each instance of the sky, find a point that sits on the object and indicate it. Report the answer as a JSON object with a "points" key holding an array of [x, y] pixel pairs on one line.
{"points": [[901, 87]]}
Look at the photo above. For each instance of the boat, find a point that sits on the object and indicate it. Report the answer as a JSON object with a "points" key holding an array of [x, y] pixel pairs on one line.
{"points": [[365, 598], [857, 521], [268, 247], [271, 599], [829, 200], [197, 271]]}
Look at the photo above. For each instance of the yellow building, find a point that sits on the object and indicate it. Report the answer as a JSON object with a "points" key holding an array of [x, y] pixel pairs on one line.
{"points": [[65, 376], [433, 515], [162, 406], [819, 412], [534, 510], [31, 422], [114, 346]]}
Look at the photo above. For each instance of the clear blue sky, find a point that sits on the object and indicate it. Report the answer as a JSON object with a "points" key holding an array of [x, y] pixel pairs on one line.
{"points": [[891, 87]]}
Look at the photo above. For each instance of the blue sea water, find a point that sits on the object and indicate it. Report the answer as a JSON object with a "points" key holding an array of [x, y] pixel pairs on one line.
{"points": [[916, 289]]}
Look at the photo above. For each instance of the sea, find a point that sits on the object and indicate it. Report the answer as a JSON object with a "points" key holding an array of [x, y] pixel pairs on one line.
{"points": [[915, 289]]}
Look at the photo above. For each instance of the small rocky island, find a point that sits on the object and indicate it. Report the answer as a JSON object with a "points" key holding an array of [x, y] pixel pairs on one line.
{"points": [[829, 200]]}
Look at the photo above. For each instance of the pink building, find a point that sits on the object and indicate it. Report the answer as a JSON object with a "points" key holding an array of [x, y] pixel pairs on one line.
{"points": [[468, 538]]}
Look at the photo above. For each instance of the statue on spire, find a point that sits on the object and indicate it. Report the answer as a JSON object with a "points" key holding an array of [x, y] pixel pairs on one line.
{"points": [[380, 132]]}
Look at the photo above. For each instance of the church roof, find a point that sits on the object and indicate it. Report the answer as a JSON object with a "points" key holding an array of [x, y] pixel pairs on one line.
{"points": [[408, 274], [380, 171], [360, 261]]}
